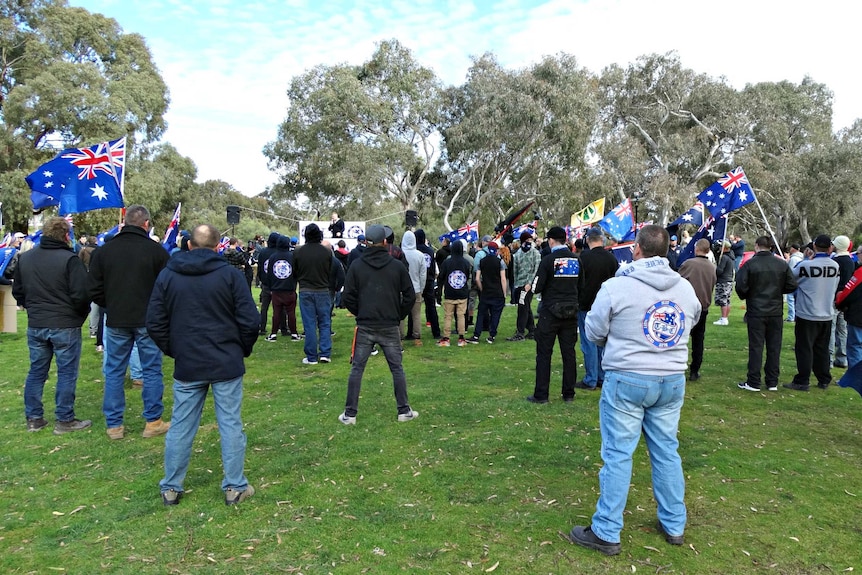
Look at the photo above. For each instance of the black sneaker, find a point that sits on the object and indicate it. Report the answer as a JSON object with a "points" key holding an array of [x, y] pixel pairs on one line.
{"points": [[62, 427], [530, 336], [582, 385], [473, 339], [796, 386], [672, 539], [534, 399], [272, 337], [585, 537], [36, 423], [516, 337], [490, 340], [744, 385], [693, 376], [171, 497]]}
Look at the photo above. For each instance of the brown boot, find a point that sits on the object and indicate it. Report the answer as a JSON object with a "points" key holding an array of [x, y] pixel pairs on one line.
{"points": [[116, 432], [137, 383], [156, 428]]}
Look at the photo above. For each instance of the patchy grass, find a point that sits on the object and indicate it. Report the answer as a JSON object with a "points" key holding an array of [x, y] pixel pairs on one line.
{"points": [[482, 482]]}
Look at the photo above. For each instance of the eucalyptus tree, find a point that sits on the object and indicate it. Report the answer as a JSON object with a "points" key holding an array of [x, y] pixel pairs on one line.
{"points": [[664, 129], [358, 133], [68, 78], [514, 135]]}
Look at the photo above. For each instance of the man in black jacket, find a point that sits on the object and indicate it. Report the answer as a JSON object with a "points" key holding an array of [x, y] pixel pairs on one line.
{"points": [[281, 283], [202, 314], [265, 295], [122, 274], [378, 291], [596, 265], [762, 282], [557, 282], [50, 282]]}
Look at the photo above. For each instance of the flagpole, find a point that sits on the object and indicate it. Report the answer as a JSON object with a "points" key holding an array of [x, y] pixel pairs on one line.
{"points": [[768, 227]]}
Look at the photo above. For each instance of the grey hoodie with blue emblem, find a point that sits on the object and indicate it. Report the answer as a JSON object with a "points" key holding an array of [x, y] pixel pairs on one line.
{"points": [[644, 317]]}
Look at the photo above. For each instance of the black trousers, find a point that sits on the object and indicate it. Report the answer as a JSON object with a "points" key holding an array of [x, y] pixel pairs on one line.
{"points": [[812, 351], [548, 330], [525, 322], [698, 332], [764, 331]]}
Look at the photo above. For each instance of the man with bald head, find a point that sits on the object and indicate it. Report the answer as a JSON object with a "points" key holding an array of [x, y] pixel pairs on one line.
{"points": [[202, 314]]}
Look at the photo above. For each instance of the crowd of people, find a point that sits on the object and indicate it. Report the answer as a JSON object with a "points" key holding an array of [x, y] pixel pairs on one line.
{"points": [[196, 306]]}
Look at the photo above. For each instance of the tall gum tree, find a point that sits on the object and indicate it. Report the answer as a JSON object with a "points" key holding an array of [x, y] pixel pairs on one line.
{"points": [[358, 134], [67, 78]]}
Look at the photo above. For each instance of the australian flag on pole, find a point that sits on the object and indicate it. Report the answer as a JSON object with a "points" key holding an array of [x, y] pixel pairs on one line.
{"points": [[469, 232], [712, 229], [105, 236], [730, 192], [693, 216], [618, 222], [171, 234], [81, 179]]}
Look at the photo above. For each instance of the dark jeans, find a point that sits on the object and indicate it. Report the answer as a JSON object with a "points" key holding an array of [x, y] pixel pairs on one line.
{"points": [[283, 306], [488, 315], [265, 299], [548, 330], [697, 335], [62, 344], [525, 323], [764, 331], [431, 310], [389, 340], [812, 351]]}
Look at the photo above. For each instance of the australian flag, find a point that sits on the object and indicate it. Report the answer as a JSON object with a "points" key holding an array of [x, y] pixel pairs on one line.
{"points": [[171, 234], [105, 236], [712, 229], [853, 378], [81, 179], [469, 232], [693, 216], [619, 222], [730, 192], [624, 252]]}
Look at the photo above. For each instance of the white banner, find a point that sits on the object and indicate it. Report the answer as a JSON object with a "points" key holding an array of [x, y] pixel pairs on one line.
{"points": [[352, 229]]}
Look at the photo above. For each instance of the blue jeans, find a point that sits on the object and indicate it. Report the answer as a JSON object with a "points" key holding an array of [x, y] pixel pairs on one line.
{"points": [[135, 370], [315, 308], [593, 354], [854, 345], [632, 403], [791, 306], [838, 339], [118, 349], [189, 398], [64, 344], [389, 340], [489, 307]]}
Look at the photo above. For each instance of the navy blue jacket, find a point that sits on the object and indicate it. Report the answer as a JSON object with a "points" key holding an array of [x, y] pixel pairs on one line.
{"points": [[201, 313]]}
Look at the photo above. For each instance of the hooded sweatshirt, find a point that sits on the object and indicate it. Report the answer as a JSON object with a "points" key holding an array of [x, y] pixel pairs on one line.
{"points": [[378, 290], [265, 253], [415, 261], [649, 333], [279, 268], [455, 273], [202, 314]]}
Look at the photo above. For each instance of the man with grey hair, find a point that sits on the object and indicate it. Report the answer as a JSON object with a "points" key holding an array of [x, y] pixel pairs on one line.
{"points": [[50, 282], [202, 314], [646, 353], [122, 274]]}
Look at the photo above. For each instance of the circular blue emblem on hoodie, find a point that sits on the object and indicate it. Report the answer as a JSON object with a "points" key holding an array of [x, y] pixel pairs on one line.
{"points": [[664, 324]]}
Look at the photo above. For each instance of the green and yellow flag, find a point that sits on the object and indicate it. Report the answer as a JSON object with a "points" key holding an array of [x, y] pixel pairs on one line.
{"points": [[592, 213]]}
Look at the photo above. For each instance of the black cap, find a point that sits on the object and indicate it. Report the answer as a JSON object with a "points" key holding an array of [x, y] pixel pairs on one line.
{"points": [[375, 234], [822, 241], [557, 233]]}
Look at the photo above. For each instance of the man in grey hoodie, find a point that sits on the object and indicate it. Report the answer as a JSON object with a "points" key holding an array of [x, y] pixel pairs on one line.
{"points": [[646, 352], [418, 273]]}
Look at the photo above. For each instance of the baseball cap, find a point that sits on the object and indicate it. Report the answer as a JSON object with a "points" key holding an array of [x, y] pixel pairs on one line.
{"points": [[486, 239], [360, 238], [673, 238], [19, 236], [594, 233], [493, 247], [376, 234]]}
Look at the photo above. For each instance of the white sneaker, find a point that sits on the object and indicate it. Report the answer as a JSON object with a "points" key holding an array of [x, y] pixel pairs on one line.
{"points": [[720, 321], [325, 360], [307, 361], [744, 385], [410, 416], [346, 420]]}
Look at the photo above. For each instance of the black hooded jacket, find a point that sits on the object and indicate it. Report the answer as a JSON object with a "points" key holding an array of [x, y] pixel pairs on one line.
{"points": [[455, 273], [264, 255], [279, 268], [202, 314], [378, 290]]}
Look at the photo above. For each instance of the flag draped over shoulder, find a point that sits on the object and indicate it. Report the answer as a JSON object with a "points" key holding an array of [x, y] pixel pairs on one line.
{"points": [[589, 215], [712, 229], [173, 230], [728, 193], [81, 179], [469, 232], [619, 221]]}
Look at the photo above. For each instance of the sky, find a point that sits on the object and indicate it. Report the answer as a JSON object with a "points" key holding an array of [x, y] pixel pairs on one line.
{"points": [[228, 63]]}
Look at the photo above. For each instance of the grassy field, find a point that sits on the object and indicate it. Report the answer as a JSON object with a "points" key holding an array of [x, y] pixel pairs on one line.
{"points": [[482, 482]]}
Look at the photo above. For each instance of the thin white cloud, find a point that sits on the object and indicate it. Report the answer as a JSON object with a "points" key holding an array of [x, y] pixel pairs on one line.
{"points": [[228, 64]]}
